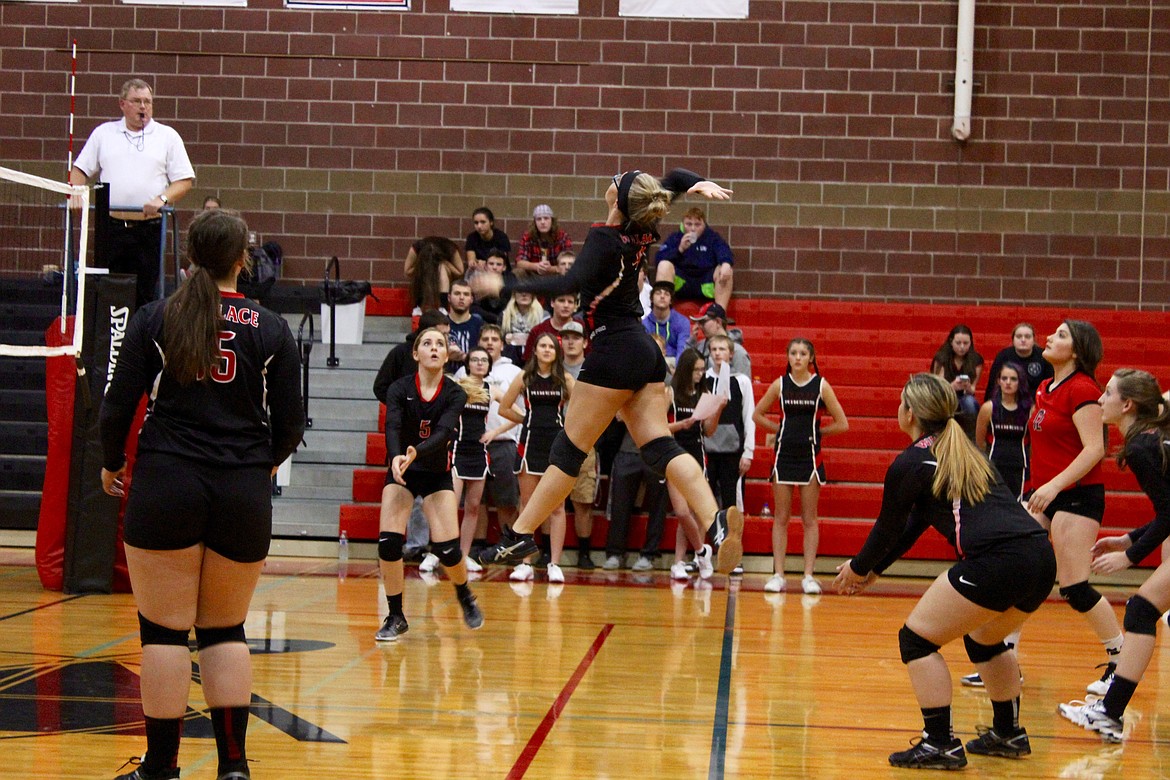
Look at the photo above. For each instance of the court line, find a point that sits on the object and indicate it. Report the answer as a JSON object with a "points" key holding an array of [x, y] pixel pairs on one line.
{"points": [[42, 606], [524, 760], [723, 696]]}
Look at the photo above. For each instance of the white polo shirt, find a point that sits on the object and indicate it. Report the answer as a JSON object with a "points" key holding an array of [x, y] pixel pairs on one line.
{"points": [[137, 166]]}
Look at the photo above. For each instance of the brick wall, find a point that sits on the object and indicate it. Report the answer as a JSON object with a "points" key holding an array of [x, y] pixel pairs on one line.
{"points": [[352, 133]]}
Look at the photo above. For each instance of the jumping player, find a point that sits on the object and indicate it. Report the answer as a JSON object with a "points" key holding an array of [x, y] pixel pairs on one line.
{"points": [[422, 411], [223, 377], [1133, 402], [1005, 571], [803, 394], [625, 371]]}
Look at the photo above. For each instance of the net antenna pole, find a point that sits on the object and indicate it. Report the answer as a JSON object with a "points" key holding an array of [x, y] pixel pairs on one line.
{"points": [[67, 264]]}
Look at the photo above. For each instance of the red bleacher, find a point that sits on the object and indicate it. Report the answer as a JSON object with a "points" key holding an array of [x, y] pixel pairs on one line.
{"points": [[866, 350]]}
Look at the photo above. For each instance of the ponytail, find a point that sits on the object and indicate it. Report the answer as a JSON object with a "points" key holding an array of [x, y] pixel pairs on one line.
{"points": [[192, 315], [962, 472], [1152, 413]]}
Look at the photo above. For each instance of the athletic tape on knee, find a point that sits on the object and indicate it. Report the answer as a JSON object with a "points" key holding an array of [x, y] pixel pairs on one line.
{"points": [[151, 633], [390, 546], [566, 455], [1082, 596], [1141, 617], [658, 454], [912, 646], [447, 552], [206, 637], [979, 653]]}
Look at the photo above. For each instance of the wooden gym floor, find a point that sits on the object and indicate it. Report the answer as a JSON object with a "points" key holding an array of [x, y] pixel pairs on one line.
{"points": [[612, 675]]}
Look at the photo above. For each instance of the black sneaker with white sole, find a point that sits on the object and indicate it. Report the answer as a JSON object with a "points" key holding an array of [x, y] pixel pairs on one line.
{"points": [[727, 539], [991, 743], [512, 549], [924, 754], [392, 628], [140, 772]]}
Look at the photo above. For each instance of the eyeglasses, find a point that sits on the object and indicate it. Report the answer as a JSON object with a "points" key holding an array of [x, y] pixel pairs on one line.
{"points": [[477, 360], [139, 101]]}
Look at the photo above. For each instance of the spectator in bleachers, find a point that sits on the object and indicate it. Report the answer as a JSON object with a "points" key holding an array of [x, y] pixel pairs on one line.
{"points": [[711, 321], [730, 449], [484, 239], [684, 390], [431, 265], [211, 202], [522, 313], [563, 308], [1003, 421], [803, 395], [1025, 352], [565, 261], [664, 321], [465, 324], [502, 488], [541, 244], [697, 261], [573, 345], [545, 389], [491, 306], [960, 365]]}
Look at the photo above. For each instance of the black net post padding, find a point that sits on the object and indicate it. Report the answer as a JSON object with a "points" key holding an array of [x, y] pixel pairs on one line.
{"points": [[91, 522], [331, 300], [306, 348], [167, 215]]}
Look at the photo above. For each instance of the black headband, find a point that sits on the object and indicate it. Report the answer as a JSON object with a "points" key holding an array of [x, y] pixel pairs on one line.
{"points": [[624, 183]]}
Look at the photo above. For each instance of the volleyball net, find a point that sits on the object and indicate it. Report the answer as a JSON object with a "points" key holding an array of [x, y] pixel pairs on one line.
{"points": [[44, 248]]}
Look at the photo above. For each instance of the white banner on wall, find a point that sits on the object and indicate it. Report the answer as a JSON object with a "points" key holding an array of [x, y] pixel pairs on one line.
{"points": [[685, 9], [516, 6], [363, 5]]}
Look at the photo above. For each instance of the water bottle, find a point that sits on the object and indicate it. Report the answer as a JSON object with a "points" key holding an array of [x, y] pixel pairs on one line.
{"points": [[766, 511], [342, 556]]}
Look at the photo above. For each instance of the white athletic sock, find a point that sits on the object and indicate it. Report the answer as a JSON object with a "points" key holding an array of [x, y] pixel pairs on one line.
{"points": [[1113, 646]]}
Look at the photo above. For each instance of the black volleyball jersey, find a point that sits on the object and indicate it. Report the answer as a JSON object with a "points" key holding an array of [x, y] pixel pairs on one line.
{"points": [[800, 428], [692, 435], [606, 270], [544, 405], [471, 427], [1144, 458], [247, 413], [1008, 440], [909, 506], [427, 424]]}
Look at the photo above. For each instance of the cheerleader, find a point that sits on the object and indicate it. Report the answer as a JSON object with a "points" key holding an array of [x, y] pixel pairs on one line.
{"points": [[803, 395], [422, 413], [1133, 402], [469, 457], [1005, 572], [1003, 421], [684, 392], [545, 389]]}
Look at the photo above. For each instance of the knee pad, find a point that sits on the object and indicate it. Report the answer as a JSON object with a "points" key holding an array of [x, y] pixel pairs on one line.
{"points": [[566, 455], [447, 552], [151, 633], [983, 653], [1141, 617], [206, 637], [1082, 596], [912, 646], [390, 546], [659, 453]]}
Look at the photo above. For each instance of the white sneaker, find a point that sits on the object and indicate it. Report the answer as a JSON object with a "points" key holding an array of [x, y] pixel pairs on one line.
{"points": [[429, 563], [521, 573], [612, 562], [472, 565], [1091, 717], [703, 557], [643, 564], [1101, 687], [811, 586], [555, 574], [679, 571], [775, 584]]}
